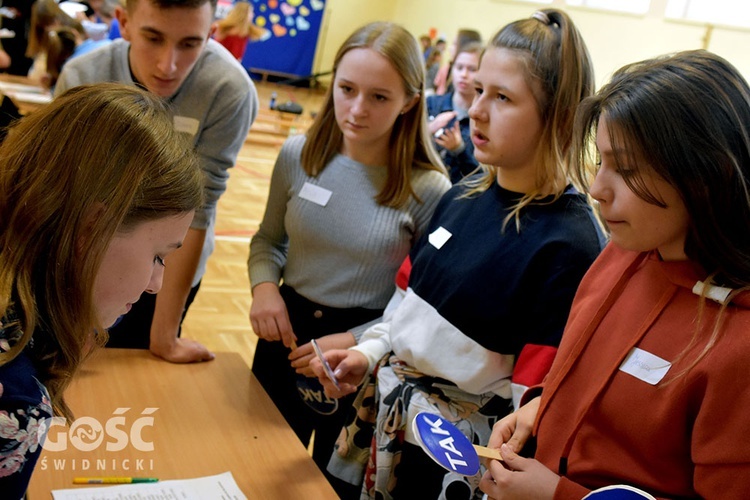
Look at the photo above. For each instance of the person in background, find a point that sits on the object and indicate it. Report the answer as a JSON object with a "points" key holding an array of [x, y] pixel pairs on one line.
{"points": [[45, 16], [650, 382], [440, 45], [432, 66], [98, 190], [492, 280], [426, 43], [237, 29], [64, 44], [449, 114], [167, 49], [5, 60], [464, 36], [348, 200], [103, 20]]}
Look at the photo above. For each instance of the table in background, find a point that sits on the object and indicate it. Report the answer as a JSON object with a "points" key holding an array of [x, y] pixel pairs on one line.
{"points": [[212, 417], [25, 94]]}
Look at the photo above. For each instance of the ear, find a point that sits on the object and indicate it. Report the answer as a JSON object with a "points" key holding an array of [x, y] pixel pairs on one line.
{"points": [[411, 103], [121, 14], [212, 31]]}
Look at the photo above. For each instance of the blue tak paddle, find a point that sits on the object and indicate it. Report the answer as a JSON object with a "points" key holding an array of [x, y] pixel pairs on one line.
{"points": [[448, 446]]}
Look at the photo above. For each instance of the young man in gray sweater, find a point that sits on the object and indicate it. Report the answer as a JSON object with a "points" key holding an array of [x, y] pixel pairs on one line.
{"points": [[167, 48]]}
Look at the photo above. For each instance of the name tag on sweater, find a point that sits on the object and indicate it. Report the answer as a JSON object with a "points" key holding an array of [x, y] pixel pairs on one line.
{"points": [[315, 194], [645, 366], [438, 237], [186, 125]]}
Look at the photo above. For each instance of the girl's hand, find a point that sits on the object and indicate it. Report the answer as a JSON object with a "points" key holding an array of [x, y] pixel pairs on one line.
{"points": [[518, 478], [349, 367], [451, 138], [268, 314], [440, 121], [515, 429], [302, 356]]}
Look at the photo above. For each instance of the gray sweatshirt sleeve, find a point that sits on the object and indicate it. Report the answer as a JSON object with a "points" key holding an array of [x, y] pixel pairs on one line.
{"points": [[268, 248], [66, 80], [219, 144]]}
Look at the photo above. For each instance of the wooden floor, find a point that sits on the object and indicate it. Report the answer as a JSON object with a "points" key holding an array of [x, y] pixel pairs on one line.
{"points": [[219, 316]]}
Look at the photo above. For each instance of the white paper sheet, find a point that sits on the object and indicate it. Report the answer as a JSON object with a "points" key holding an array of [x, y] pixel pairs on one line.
{"points": [[219, 487], [6, 87], [29, 97]]}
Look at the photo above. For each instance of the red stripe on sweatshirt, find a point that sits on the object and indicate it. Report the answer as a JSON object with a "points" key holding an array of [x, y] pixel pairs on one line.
{"points": [[533, 364], [402, 276]]}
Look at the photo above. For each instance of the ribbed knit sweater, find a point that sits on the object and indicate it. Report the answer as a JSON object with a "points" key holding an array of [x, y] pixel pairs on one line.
{"points": [[346, 253]]}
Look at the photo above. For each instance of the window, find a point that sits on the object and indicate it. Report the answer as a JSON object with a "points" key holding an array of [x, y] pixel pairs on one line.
{"points": [[727, 12], [535, 1], [630, 6]]}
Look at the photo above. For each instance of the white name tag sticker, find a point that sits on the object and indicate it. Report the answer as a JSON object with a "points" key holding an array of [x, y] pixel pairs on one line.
{"points": [[438, 237], [645, 366], [315, 194], [186, 125]]}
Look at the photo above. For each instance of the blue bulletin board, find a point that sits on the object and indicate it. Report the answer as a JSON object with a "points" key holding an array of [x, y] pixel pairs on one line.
{"points": [[290, 38]]}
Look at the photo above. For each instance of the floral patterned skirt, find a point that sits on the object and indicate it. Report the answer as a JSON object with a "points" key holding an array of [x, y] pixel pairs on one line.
{"points": [[369, 447]]}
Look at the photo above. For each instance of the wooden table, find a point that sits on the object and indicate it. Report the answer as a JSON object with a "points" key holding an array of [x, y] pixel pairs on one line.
{"points": [[211, 417], [28, 97]]}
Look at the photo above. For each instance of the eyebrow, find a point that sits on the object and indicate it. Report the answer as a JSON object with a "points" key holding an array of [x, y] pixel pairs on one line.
{"points": [[153, 31], [499, 88], [376, 89]]}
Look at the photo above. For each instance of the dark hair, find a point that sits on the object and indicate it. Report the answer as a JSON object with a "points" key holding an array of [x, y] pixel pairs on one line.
{"points": [[61, 44], [168, 4], [466, 35], [687, 118], [45, 13], [471, 48]]}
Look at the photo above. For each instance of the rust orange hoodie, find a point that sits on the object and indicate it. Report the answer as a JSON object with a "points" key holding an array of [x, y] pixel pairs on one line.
{"points": [[617, 406]]}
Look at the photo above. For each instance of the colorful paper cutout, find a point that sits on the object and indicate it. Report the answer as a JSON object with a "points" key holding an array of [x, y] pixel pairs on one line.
{"points": [[302, 24]]}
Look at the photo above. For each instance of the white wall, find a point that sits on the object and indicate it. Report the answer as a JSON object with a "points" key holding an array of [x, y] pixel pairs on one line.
{"points": [[340, 19], [612, 39]]}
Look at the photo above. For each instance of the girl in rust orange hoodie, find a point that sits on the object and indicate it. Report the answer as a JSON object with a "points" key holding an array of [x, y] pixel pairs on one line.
{"points": [[650, 387]]}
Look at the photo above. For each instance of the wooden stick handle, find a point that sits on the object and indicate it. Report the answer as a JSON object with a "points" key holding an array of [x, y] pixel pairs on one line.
{"points": [[485, 452], [293, 345]]}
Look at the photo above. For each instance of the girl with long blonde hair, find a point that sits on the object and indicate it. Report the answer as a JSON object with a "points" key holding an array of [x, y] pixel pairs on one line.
{"points": [[347, 202]]}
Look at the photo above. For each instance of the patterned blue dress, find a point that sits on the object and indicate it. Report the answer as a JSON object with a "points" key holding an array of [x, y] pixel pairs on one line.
{"points": [[25, 410]]}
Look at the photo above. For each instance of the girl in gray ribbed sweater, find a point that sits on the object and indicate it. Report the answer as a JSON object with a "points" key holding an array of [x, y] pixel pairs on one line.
{"points": [[346, 204]]}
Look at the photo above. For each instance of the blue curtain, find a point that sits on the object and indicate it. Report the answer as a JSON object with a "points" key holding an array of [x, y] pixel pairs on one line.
{"points": [[290, 39]]}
